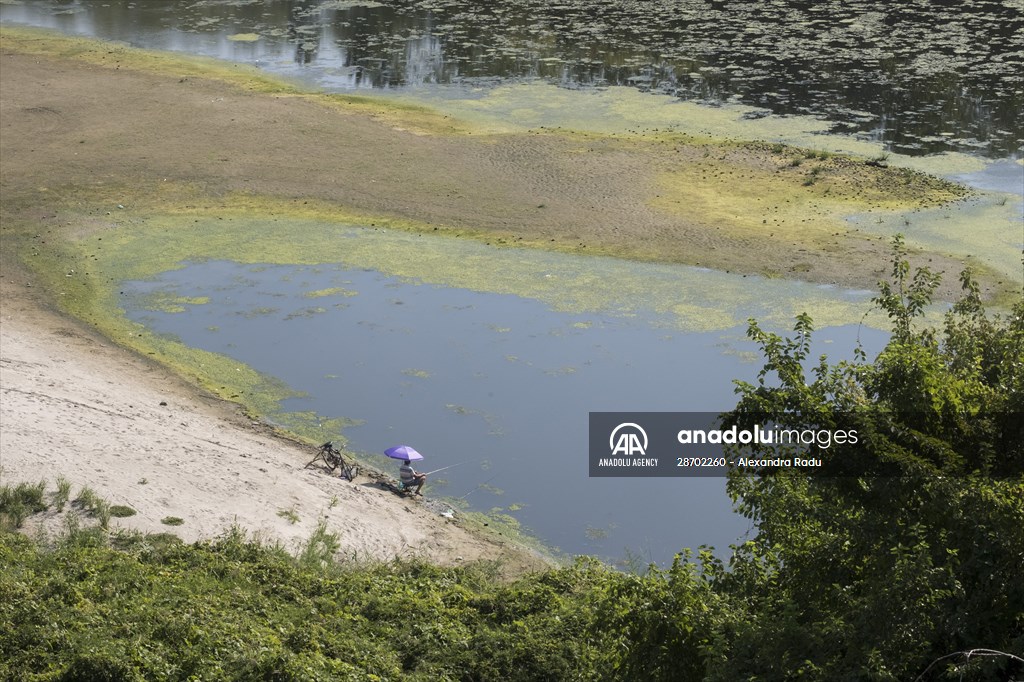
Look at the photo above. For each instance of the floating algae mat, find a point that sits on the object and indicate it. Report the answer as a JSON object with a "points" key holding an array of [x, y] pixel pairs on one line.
{"points": [[686, 298], [492, 356]]}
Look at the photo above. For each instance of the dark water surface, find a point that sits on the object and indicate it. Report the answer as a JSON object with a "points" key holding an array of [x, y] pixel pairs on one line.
{"points": [[499, 383], [920, 76]]}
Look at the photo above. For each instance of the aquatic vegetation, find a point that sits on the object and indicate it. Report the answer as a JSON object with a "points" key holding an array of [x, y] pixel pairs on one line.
{"points": [[883, 75], [260, 311], [311, 426], [166, 302], [595, 533], [984, 228], [331, 291], [832, 48], [306, 312]]}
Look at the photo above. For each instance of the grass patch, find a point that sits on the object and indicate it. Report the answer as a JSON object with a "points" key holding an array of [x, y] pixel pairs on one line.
{"points": [[321, 547], [30, 495], [19, 502], [122, 511], [102, 513], [172, 521], [290, 515], [817, 154], [63, 493], [87, 499]]}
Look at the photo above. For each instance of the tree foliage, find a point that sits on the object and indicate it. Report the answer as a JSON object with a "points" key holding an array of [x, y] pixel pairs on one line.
{"points": [[908, 545]]}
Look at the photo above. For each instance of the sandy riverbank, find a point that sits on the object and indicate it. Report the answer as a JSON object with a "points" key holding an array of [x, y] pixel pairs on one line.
{"points": [[74, 405]]}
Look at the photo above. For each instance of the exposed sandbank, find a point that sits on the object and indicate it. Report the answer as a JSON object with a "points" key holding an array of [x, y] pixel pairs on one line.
{"points": [[89, 125]]}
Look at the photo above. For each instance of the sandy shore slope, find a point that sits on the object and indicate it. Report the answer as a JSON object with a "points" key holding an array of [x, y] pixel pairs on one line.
{"points": [[72, 404]]}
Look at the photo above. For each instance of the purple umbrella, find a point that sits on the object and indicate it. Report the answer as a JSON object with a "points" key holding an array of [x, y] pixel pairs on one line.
{"points": [[403, 452]]}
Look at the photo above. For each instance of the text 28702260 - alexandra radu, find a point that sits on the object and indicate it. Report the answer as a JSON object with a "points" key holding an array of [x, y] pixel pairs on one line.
{"points": [[653, 444]]}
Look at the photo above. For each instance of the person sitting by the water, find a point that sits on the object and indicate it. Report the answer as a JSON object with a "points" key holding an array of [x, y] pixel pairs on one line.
{"points": [[410, 477]]}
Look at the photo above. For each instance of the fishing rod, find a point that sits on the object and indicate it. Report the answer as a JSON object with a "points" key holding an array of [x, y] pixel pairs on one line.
{"points": [[477, 487], [427, 473]]}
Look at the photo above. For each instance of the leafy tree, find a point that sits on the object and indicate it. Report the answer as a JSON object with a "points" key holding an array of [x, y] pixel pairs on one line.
{"points": [[908, 545]]}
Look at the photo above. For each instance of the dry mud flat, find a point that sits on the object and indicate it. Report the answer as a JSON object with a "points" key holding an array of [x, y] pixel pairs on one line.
{"points": [[92, 125]]}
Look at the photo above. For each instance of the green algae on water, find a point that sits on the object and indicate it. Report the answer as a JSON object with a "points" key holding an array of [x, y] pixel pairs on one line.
{"points": [[165, 302], [330, 291], [693, 299], [306, 312]]}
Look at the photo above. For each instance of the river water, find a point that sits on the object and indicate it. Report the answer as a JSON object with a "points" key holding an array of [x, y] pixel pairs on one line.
{"points": [[497, 384], [501, 384], [921, 77]]}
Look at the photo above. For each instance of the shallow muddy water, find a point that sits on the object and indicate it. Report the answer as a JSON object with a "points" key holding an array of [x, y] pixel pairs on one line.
{"points": [[499, 384], [919, 77]]}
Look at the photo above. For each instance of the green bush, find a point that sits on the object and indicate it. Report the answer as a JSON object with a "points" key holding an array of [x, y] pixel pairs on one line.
{"points": [[906, 547], [99, 666], [237, 609]]}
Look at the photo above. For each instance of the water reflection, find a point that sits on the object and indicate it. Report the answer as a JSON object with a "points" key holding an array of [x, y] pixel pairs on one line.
{"points": [[918, 77]]}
